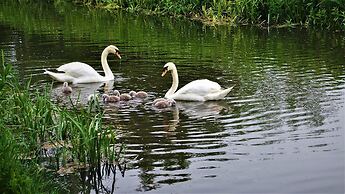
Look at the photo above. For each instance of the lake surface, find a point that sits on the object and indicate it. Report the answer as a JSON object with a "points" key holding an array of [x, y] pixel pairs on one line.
{"points": [[280, 130]]}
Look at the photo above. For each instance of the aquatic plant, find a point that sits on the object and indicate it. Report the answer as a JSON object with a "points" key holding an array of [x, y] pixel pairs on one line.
{"points": [[37, 135]]}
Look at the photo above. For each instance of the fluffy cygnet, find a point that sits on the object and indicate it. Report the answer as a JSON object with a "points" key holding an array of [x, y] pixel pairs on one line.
{"points": [[110, 98], [115, 93], [140, 94], [66, 89], [92, 97], [125, 97], [163, 103]]}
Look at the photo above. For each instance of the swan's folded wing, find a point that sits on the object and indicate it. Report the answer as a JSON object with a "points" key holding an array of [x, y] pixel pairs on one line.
{"points": [[199, 87], [78, 69], [62, 77]]}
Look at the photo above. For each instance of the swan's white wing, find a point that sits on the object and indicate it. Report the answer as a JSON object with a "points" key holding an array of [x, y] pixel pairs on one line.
{"points": [[199, 87], [197, 90], [78, 69], [62, 77]]}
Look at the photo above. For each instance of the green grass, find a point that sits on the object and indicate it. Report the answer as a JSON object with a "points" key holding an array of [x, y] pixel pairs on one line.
{"points": [[14, 176], [31, 125], [325, 13]]}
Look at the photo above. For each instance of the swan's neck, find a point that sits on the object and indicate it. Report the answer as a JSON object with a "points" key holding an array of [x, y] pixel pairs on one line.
{"points": [[106, 68], [174, 85]]}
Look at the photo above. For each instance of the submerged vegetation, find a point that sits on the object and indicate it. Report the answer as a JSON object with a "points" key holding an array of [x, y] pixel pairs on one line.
{"points": [[39, 138], [326, 13]]}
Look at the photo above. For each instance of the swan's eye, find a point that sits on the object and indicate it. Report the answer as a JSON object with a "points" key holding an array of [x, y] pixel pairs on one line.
{"points": [[165, 68], [117, 51]]}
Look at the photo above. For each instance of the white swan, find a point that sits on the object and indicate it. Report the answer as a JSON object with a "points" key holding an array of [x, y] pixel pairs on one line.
{"points": [[197, 90], [78, 72]]}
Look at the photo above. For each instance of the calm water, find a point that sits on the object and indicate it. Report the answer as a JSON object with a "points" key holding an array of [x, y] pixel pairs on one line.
{"points": [[281, 129]]}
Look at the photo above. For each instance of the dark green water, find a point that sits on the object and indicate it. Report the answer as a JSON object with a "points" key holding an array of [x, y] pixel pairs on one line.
{"points": [[281, 129]]}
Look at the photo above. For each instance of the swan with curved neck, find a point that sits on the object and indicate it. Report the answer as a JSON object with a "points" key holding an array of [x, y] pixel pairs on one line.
{"points": [[77, 72], [197, 90]]}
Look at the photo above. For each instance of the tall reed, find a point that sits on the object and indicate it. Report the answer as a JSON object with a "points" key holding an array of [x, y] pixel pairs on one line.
{"points": [[33, 128]]}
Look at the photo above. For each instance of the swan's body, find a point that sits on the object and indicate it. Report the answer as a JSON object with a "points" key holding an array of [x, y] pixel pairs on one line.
{"points": [[140, 94], [77, 72], [197, 90], [66, 89], [163, 103], [110, 98]]}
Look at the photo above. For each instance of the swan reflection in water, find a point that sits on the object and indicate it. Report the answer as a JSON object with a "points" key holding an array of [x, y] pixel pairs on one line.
{"points": [[203, 110], [143, 128], [193, 110]]}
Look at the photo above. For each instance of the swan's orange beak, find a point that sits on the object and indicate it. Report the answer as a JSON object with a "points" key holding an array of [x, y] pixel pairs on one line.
{"points": [[118, 55], [164, 72]]}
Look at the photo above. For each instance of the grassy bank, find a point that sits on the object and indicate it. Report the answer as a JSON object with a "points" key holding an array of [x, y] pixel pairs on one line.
{"points": [[39, 139], [321, 13]]}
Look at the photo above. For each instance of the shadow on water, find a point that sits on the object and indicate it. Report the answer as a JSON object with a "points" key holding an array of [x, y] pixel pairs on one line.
{"points": [[273, 133]]}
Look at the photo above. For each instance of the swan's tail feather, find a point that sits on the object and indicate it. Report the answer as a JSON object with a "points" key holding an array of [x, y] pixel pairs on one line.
{"points": [[219, 95], [61, 77]]}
